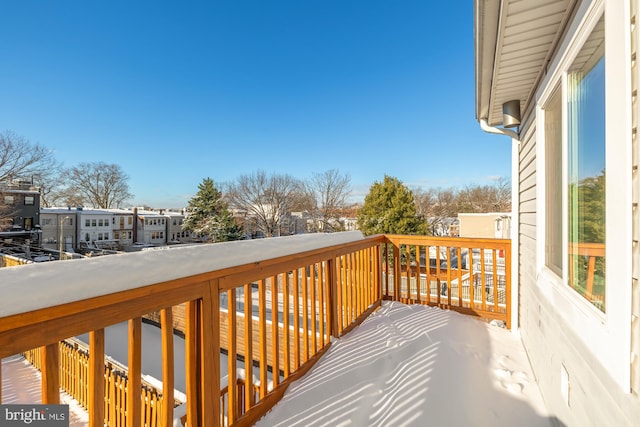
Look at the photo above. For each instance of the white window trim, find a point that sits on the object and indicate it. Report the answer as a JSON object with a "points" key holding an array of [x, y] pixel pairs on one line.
{"points": [[607, 334]]}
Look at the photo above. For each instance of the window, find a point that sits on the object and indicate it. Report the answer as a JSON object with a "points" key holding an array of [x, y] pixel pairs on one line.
{"points": [[87, 237], [87, 223], [29, 200], [100, 222], [575, 184], [46, 221], [9, 200], [28, 223], [130, 220], [586, 170], [93, 223]]}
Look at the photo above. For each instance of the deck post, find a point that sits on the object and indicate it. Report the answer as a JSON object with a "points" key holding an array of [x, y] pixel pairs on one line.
{"points": [[332, 299], [51, 374]]}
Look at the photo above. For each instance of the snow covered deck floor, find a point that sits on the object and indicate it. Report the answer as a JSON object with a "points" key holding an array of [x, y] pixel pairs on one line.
{"points": [[21, 383], [414, 365]]}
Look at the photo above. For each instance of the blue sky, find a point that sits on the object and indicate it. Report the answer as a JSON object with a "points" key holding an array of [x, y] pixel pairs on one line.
{"points": [[175, 92]]}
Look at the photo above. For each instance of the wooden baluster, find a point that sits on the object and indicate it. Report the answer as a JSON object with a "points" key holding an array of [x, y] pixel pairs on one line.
{"points": [[192, 364], [344, 294], [321, 306], [232, 357], [305, 315], [349, 300], [96, 378], [275, 353], [396, 273], [459, 254], [358, 283], [472, 281], [296, 319], [377, 277], [448, 277], [210, 355], [248, 347], [134, 384], [418, 273], [262, 309], [495, 282], [483, 280], [166, 323], [313, 283], [286, 350]]}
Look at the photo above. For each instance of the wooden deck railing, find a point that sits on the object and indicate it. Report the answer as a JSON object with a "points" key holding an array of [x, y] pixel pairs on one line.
{"points": [[74, 363], [274, 319], [471, 276]]}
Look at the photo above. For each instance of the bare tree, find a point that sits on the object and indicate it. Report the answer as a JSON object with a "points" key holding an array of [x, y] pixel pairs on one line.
{"points": [[328, 192], [264, 198], [436, 206], [486, 198], [99, 185], [20, 158], [51, 185]]}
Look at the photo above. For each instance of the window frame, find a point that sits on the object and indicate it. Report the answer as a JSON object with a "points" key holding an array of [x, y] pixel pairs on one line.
{"points": [[606, 335]]}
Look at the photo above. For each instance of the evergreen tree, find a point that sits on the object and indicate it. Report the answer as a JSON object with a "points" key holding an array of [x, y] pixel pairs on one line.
{"points": [[389, 208], [209, 216]]}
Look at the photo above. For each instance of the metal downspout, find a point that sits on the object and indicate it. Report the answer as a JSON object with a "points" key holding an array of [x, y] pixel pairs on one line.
{"points": [[515, 216]]}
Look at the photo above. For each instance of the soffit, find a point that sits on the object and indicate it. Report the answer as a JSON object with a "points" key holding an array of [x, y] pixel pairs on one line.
{"points": [[514, 43]]}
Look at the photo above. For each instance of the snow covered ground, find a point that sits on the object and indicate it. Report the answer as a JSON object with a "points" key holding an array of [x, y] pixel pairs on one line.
{"points": [[21, 383], [412, 365]]}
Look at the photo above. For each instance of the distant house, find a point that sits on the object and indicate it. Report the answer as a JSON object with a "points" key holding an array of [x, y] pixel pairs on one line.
{"points": [[123, 226], [485, 225], [19, 211], [58, 229], [561, 79], [175, 231], [95, 229], [151, 228]]}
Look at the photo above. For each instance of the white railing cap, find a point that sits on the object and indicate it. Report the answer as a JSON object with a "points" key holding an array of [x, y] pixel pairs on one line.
{"points": [[39, 285]]}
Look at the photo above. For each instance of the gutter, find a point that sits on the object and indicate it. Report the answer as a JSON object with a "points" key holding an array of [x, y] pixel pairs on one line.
{"points": [[499, 131]]}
